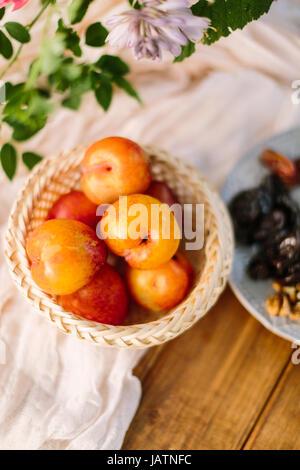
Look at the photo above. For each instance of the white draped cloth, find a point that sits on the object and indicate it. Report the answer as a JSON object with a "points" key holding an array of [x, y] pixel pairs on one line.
{"points": [[57, 392]]}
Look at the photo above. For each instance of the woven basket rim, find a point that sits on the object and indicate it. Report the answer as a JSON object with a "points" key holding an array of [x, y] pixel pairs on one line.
{"points": [[16, 254]]}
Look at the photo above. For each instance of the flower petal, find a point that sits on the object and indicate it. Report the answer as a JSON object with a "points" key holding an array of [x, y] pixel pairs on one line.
{"points": [[19, 4], [158, 25], [175, 35]]}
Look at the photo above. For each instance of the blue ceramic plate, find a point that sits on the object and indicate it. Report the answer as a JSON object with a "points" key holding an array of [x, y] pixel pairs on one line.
{"points": [[247, 173]]}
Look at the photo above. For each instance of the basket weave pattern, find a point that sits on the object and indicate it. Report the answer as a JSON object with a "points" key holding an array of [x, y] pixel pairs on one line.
{"points": [[57, 176]]}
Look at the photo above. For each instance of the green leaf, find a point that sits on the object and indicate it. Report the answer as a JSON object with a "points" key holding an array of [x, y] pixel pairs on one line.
{"points": [[229, 15], [96, 79], [77, 80], [71, 69], [30, 159], [24, 102], [2, 12], [8, 157], [12, 90], [24, 130], [39, 105], [16, 98], [5, 92], [72, 40], [83, 83], [96, 35], [43, 92], [77, 9], [26, 112], [122, 83], [65, 75], [6, 48], [112, 64], [51, 53], [104, 93], [135, 4], [17, 31], [186, 51], [72, 102], [34, 72]]}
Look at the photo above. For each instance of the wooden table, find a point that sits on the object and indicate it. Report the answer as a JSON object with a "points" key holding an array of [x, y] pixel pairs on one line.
{"points": [[227, 383]]}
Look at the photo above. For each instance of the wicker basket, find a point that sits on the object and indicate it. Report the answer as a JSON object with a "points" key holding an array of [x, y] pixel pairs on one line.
{"points": [[56, 176]]}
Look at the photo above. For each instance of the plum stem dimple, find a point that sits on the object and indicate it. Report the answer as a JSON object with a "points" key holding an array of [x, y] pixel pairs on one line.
{"points": [[104, 167], [144, 240]]}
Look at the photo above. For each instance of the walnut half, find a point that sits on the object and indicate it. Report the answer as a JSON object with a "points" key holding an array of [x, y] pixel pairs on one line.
{"points": [[285, 307], [290, 291], [274, 303]]}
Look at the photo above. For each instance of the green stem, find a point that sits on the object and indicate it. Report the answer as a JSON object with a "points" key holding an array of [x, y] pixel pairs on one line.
{"points": [[36, 64], [35, 19]]}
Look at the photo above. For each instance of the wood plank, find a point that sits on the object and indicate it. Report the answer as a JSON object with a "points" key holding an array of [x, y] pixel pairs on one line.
{"points": [[206, 389], [279, 425], [147, 362]]}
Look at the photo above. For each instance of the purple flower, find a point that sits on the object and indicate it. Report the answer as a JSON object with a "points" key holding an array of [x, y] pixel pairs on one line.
{"points": [[158, 25]]}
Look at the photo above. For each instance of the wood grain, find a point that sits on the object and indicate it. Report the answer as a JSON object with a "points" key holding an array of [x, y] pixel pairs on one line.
{"points": [[208, 388], [278, 426]]}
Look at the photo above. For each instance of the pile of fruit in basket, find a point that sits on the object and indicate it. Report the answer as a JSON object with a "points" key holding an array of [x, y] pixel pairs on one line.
{"points": [[69, 260], [268, 216]]}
